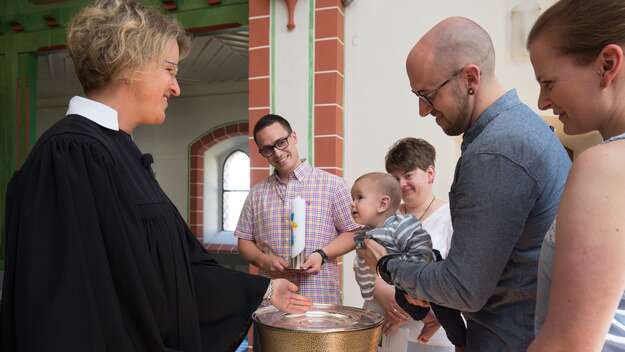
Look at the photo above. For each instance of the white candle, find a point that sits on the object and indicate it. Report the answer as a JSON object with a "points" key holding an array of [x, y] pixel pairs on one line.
{"points": [[298, 225]]}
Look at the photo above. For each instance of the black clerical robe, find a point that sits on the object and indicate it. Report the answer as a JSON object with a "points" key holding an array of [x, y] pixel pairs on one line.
{"points": [[99, 259]]}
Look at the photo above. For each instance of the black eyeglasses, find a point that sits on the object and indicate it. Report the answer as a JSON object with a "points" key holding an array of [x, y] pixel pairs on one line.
{"points": [[429, 97], [281, 144]]}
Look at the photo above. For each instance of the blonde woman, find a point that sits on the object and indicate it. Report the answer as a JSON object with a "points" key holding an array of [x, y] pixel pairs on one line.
{"points": [[98, 258]]}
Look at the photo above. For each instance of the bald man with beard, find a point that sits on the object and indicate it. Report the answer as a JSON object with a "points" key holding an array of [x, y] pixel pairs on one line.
{"points": [[505, 193]]}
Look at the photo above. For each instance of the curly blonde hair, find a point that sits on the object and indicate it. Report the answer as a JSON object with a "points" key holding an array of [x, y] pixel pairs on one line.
{"points": [[112, 38]]}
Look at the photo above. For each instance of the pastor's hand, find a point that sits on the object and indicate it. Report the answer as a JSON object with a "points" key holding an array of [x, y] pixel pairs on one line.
{"points": [[284, 297]]}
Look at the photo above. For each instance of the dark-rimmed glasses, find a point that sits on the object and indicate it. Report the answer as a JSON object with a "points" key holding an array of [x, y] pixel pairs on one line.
{"points": [[429, 97], [281, 144]]}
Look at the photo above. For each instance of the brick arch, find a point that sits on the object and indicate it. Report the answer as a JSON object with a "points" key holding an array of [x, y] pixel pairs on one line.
{"points": [[196, 170]]}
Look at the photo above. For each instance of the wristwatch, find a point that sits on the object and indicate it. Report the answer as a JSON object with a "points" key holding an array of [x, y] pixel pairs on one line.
{"points": [[324, 256]]}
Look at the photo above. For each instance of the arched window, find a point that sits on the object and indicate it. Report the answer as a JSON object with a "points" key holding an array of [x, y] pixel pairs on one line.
{"points": [[211, 188], [235, 187]]}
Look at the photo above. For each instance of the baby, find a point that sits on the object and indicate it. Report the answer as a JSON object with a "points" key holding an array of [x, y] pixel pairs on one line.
{"points": [[376, 199]]}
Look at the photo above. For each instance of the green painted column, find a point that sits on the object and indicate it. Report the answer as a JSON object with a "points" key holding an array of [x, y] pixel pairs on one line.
{"points": [[4, 143], [18, 116], [26, 106], [8, 67]]}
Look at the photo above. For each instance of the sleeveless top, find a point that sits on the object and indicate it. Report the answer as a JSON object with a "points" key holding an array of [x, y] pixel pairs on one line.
{"points": [[615, 339]]}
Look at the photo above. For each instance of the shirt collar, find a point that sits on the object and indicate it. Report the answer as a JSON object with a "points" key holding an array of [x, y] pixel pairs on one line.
{"points": [[99, 113], [503, 103], [300, 173]]}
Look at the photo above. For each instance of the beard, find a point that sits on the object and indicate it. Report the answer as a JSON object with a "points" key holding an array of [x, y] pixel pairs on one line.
{"points": [[460, 114]]}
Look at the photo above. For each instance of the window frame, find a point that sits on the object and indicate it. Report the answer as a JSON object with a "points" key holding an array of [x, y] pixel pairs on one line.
{"points": [[222, 188]]}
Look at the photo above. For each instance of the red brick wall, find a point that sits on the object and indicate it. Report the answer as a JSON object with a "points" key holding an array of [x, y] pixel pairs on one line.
{"points": [[259, 80], [329, 51]]}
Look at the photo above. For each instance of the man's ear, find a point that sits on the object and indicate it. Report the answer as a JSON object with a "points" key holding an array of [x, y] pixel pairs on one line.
{"points": [[385, 202], [294, 136], [609, 62], [472, 75]]}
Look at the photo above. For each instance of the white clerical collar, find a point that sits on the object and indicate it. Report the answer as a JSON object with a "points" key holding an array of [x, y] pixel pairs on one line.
{"points": [[99, 113]]}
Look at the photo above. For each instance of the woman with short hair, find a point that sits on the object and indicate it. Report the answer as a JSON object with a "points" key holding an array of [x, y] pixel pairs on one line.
{"points": [[412, 162]]}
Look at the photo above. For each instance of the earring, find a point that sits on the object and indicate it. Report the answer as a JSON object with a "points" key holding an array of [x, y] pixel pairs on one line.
{"points": [[471, 91]]}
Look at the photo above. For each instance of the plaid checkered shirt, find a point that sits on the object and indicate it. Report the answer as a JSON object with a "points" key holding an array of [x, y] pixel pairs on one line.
{"points": [[265, 220]]}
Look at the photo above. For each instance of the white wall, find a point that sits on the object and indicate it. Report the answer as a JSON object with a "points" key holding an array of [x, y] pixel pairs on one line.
{"points": [[291, 69], [379, 106]]}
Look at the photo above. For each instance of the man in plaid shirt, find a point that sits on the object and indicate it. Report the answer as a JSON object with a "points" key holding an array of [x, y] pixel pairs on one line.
{"points": [[264, 230]]}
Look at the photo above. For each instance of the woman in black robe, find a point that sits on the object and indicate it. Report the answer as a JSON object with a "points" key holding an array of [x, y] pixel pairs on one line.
{"points": [[97, 256]]}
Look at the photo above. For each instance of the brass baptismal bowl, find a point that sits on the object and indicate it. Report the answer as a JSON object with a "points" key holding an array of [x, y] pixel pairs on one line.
{"points": [[324, 328]]}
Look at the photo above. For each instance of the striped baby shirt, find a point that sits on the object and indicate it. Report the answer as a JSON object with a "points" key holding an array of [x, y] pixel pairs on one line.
{"points": [[402, 234]]}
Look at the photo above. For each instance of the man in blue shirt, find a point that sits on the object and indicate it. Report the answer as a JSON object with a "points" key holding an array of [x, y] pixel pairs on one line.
{"points": [[505, 194]]}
